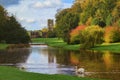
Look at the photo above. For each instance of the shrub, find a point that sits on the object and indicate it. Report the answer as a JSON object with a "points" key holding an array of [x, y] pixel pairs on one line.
{"points": [[74, 35], [51, 34], [112, 34], [107, 35], [91, 36], [14, 46]]}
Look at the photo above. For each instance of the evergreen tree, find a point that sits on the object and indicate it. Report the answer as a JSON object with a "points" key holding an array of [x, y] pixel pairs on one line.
{"points": [[10, 29]]}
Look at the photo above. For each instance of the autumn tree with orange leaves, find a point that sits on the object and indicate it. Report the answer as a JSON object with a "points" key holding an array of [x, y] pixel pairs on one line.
{"points": [[75, 34]]}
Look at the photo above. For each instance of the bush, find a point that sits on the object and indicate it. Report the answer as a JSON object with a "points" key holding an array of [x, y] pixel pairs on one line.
{"points": [[51, 34], [91, 36], [112, 34], [75, 34], [14, 46]]}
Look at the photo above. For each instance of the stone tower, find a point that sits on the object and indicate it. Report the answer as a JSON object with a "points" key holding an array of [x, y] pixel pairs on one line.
{"points": [[50, 24]]}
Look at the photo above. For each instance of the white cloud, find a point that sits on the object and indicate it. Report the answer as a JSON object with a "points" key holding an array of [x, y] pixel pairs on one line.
{"points": [[26, 20], [30, 20], [21, 19], [47, 4], [33, 14]]}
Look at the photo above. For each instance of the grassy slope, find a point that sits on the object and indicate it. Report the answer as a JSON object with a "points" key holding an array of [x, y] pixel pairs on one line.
{"points": [[3, 46], [8, 73], [55, 42], [114, 47]]}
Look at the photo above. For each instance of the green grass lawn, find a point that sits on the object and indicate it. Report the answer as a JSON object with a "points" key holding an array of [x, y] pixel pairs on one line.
{"points": [[55, 42], [3, 46], [9, 73], [113, 47]]}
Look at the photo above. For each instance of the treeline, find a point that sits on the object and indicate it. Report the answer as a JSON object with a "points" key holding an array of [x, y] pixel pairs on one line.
{"points": [[95, 15], [11, 30]]}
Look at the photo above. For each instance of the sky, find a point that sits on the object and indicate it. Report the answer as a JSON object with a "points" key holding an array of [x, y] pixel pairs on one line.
{"points": [[33, 14]]}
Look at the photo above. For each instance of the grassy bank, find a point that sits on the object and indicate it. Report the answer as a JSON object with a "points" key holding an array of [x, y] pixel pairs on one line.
{"points": [[113, 47], [13, 46], [8, 73], [3, 46], [55, 42]]}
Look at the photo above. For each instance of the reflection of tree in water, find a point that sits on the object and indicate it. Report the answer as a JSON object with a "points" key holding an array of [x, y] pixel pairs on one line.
{"points": [[108, 59], [63, 57], [84, 58], [112, 61], [95, 62], [91, 60], [103, 64], [14, 56], [106, 76]]}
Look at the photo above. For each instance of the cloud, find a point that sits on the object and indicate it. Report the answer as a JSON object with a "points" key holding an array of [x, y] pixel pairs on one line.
{"points": [[26, 20], [30, 20], [33, 14], [47, 4], [21, 19]]}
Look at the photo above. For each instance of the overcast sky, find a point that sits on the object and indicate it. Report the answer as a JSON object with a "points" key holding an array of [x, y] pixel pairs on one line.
{"points": [[33, 14]]}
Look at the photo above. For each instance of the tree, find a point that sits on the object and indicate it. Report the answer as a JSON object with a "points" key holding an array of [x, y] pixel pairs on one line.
{"points": [[75, 34], [15, 33], [10, 29], [91, 36], [65, 22], [112, 34], [51, 34], [99, 12], [44, 32], [116, 13], [3, 18]]}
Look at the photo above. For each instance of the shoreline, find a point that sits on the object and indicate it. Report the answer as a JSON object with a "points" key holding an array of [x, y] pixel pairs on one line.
{"points": [[16, 74], [13, 46], [3, 46], [59, 43]]}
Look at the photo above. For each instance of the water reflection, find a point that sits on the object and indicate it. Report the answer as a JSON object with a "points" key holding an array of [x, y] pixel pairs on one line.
{"points": [[108, 59], [14, 56], [44, 59]]}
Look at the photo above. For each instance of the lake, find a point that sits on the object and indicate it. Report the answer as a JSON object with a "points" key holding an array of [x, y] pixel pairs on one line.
{"points": [[49, 60]]}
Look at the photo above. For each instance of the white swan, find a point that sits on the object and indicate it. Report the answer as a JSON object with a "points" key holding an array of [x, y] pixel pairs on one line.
{"points": [[80, 70], [22, 67]]}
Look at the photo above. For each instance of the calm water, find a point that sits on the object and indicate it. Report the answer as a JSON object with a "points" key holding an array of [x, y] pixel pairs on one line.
{"points": [[48, 60]]}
